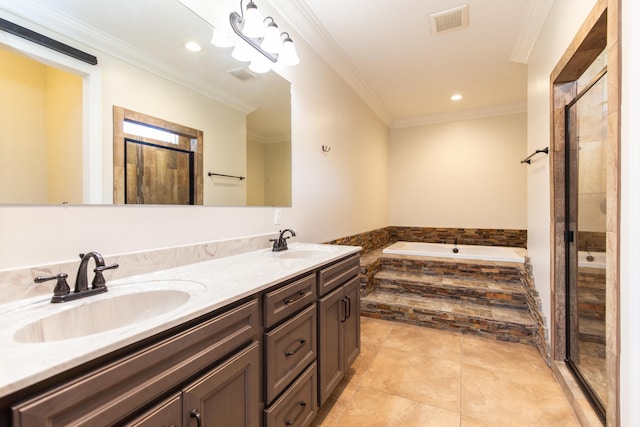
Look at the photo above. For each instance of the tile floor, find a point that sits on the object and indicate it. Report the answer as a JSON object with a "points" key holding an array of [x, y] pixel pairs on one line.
{"points": [[414, 376]]}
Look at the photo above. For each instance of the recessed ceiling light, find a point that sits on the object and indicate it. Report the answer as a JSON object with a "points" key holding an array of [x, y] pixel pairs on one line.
{"points": [[456, 97], [192, 46]]}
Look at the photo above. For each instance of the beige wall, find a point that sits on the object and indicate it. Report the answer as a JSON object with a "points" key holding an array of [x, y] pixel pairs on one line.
{"points": [[277, 174], [563, 22], [23, 141], [460, 174], [268, 173], [334, 195], [255, 173], [41, 145], [64, 130], [224, 128]]}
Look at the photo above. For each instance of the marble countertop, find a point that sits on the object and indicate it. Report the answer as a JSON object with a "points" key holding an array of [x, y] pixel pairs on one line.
{"points": [[211, 285]]}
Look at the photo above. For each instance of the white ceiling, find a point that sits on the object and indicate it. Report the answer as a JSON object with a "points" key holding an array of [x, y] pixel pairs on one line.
{"points": [[385, 49]]}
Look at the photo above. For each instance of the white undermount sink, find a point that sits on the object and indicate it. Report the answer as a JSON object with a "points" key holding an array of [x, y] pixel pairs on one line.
{"points": [[114, 309]]}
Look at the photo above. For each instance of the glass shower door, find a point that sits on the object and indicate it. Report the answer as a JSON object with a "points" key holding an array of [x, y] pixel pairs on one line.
{"points": [[586, 118]]}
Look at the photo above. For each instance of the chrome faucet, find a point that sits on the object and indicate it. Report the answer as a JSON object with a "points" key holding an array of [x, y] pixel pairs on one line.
{"points": [[62, 293], [280, 244]]}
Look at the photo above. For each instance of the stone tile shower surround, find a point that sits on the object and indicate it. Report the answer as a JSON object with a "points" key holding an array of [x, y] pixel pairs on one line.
{"points": [[18, 284]]}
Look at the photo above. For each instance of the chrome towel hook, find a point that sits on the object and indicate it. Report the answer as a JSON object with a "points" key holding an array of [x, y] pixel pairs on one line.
{"points": [[326, 148]]}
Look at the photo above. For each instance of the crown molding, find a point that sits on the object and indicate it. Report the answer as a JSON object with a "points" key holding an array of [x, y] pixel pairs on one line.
{"points": [[55, 24], [534, 17], [500, 110], [273, 139], [300, 17]]}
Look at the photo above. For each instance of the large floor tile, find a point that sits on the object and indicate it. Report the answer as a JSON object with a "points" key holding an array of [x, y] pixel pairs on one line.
{"points": [[374, 408], [409, 376], [425, 341], [430, 380], [506, 398], [503, 356]]}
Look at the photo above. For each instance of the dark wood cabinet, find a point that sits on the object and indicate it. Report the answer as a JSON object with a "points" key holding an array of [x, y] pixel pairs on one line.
{"points": [[228, 396], [116, 391], [339, 335], [271, 360], [168, 413]]}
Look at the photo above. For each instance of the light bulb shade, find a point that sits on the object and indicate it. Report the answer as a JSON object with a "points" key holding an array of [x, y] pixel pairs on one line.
{"points": [[242, 52], [260, 65], [220, 39], [272, 42], [253, 26], [288, 54]]}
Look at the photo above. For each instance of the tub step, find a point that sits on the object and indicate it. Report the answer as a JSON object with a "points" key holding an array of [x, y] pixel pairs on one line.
{"points": [[478, 291], [487, 270], [506, 324]]}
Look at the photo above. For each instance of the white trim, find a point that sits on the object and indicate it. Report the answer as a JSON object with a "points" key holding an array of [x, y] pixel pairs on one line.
{"points": [[630, 217], [300, 17], [532, 21], [500, 110], [91, 109], [72, 29]]}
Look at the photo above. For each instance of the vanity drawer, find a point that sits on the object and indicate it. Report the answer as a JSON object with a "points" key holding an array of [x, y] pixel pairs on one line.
{"points": [[336, 275], [289, 349], [121, 387], [285, 301], [298, 405]]}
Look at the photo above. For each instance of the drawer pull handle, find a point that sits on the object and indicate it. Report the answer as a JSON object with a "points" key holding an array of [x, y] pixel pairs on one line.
{"points": [[195, 414], [344, 310], [301, 342], [294, 420], [348, 307], [300, 295]]}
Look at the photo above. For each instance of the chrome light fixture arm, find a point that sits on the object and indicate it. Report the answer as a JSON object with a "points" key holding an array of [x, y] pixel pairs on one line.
{"points": [[237, 23]]}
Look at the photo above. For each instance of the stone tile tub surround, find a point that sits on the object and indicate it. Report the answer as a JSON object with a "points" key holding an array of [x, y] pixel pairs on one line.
{"points": [[18, 284], [372, 243]]}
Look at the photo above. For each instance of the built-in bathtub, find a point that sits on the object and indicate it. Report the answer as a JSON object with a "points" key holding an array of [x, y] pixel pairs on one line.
{"points": [[475, 252]]}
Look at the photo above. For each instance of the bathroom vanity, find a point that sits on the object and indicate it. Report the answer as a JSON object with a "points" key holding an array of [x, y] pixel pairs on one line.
{"points": [[263, 340]]}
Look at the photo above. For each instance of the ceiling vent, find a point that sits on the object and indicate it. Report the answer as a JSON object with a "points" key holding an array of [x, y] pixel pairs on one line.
{"points": [[453, 19], [243, 74]]}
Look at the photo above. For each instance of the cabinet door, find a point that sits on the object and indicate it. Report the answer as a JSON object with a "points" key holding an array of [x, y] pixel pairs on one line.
{"points": [[331, 312], [166, 414], [228, 396], [351, 323]]}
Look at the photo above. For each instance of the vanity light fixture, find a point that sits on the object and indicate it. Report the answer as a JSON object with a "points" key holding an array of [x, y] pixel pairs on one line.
{"points": [[456, 97], [268, 43]]}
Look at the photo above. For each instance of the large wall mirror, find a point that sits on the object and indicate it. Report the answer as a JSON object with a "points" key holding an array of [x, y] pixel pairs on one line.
{"points": [[56, 138]]}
